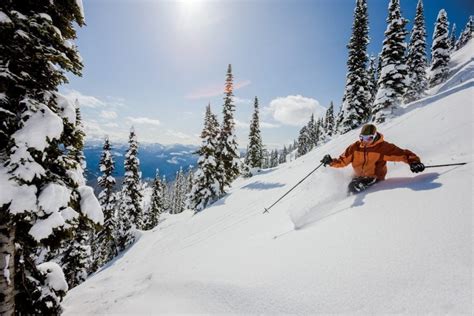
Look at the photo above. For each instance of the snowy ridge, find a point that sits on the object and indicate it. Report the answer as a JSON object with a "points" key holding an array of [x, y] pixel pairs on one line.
{"points": [[404, 246]]}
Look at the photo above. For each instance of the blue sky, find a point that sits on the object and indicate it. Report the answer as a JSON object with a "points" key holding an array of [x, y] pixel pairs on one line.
{"points": [[156, 64]]}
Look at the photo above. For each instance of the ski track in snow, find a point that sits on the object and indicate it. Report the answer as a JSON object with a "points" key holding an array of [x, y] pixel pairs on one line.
{"points": [[403, 246]]}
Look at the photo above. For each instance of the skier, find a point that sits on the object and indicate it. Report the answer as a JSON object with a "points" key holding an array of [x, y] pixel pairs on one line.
{"points": [[369, 158]]}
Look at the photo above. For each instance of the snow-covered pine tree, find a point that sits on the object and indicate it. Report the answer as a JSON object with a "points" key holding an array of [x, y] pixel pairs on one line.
{"points": [[329, 120], [416, 58], [75, 256], [166, 195], [321, 137], [392, 77], [372, 81], [205, 189], [105, 245], [466, 34], [132, 181], [130, 209], [156, 204], [40, 202], [357, 91], [452, 38], [312, 133], [189, 179], [266, 158], [339, 119], [179, 193], [254, 154], [379, 69], [303, 142], [76, 260], [283, 155], [440, 50], [274, 158], [227, 153], [173, 193]]}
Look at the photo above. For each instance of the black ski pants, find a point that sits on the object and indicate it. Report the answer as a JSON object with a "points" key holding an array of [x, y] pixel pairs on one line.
{"points": [[359, 184]]}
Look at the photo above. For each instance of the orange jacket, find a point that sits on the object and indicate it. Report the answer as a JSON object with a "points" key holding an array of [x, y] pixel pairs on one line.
{"points": [[371, 160]]}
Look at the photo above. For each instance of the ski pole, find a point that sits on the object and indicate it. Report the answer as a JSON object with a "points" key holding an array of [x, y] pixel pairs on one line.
{"points": [[447, 165], [267, 208]]}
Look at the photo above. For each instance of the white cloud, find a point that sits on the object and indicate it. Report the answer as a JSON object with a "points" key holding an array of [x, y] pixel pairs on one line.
{"points": [[294, 110], [115, 101], [240, 124], [177, 134], [111, 124], [239, 101], [268, 125], [94, 131], [108, 114], [84, 100], [243, 125], [144, 121], [174, 160]]}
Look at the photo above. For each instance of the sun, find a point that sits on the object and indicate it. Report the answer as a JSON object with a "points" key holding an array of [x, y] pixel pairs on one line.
{"points": [[190, 6], [190, 13]]}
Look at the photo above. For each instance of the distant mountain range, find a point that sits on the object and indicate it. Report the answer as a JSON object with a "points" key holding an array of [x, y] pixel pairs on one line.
{"points": [[167, 158]]}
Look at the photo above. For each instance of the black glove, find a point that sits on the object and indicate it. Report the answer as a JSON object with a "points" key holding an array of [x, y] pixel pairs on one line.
{"points": [[417, 167], [326, 160]]}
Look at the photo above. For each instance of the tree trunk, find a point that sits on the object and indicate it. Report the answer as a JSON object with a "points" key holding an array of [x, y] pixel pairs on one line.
{"points": [[7, 266]]}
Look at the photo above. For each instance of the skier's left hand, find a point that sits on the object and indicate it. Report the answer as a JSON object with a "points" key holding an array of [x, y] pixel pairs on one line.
{"points": [[417, 167], [326, 160]]}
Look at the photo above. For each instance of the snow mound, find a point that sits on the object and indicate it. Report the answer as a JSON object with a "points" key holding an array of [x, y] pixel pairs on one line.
{"points": [[54, 276]]}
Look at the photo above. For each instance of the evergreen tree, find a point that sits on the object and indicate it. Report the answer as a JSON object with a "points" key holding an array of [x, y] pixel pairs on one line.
{"points": [[124, 232], [416, 58], [179, 193], [466, 34], [166, 195], [283, 155], [206, 189], [228, 155], [189, 179], [156, 204], [339, 119], [312, 133], [36, 165], [379, 70], [303, 142], [254, 153], [75, 256], [105, 245], [132, 181], [320, 135], [76, 260], [372, 81], [357, 92], [329, 120], [392, 78], [440, 50], [274, 159], [452, 40], [130, 210], [266, 159]]}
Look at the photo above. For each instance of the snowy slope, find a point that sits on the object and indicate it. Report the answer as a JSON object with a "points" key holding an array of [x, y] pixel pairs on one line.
{"points": [[404, 246]]}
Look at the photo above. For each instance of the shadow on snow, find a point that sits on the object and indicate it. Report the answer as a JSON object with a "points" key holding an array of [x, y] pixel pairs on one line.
{"points": [[258, 185], [422, 182]]}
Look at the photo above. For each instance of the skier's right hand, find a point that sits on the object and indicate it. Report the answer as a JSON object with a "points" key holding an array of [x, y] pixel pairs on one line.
{"points": [[417, 167], [326, 160]]}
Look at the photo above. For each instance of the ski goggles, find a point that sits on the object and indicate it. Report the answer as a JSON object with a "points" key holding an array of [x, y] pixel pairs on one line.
{"points": [[367, 138]]}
